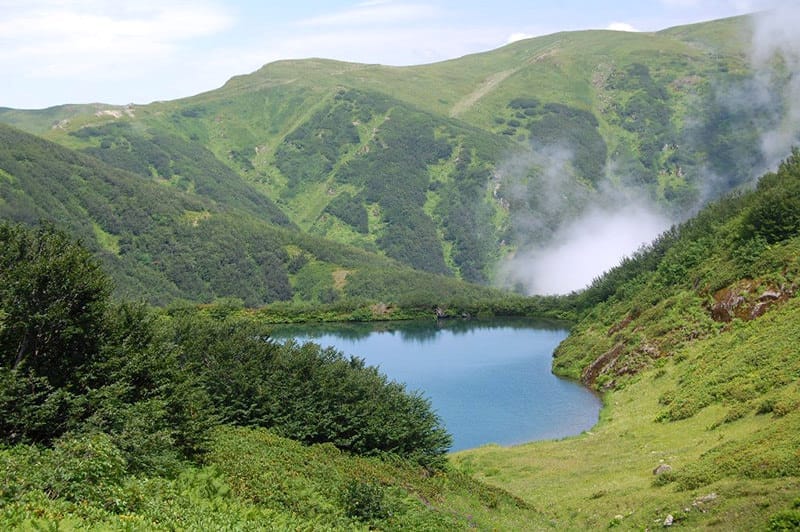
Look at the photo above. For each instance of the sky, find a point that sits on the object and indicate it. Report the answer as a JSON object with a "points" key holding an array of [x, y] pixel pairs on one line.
{"points": [[118, 52]]}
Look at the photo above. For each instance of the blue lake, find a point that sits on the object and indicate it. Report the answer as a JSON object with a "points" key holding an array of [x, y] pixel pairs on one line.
{"points": [[489, 381]]}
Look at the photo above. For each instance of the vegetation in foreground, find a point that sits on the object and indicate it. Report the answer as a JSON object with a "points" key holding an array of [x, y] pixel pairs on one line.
{"points": [[248, 479], [118, 417], [694, 341], [113, 416]]}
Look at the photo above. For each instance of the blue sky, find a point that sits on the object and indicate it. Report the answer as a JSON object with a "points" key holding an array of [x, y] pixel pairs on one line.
{"points": [[118, 52]]}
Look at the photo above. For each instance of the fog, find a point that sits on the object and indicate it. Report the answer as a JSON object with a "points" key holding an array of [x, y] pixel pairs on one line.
{"points": [[775, 53], [570, 233], [584, 249]]}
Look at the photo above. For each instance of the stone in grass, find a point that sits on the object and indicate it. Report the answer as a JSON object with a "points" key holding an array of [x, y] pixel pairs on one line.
{"points": [[669, 520], [662, 468], [701, 502]]}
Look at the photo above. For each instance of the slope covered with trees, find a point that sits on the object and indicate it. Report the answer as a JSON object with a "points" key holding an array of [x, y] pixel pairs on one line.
{"points": [[114, 416], [693, 341], [451, 167], [170, 222]]}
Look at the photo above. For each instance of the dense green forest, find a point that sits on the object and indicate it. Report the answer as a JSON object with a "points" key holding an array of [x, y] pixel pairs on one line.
{"points": [[163, 242], [115, 415]]}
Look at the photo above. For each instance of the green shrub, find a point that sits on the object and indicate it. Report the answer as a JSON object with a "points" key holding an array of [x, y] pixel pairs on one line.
{"points": [[364, 501], [53, 295], [308, 393], [786, 520], [86, 468]]}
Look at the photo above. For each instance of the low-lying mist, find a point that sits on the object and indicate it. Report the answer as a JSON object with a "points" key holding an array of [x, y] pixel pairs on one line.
{"points": [[584, 249], [571, 233]]}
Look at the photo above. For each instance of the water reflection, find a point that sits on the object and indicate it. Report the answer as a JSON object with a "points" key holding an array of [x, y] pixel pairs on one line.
{"points": [[490, 381], [413, 330]]}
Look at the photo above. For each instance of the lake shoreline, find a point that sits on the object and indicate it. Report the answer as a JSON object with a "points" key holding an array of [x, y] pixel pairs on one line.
{"points": [[491, 381]]}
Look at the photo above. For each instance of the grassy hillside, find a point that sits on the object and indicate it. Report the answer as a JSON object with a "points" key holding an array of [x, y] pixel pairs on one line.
{"points": [[694, 344], [177, 224], [450, 167], [253, 479]]}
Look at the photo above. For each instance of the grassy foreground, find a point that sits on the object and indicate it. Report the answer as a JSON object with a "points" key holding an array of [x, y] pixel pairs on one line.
{"points": [[251, 479], [695, 343], [728, 474]]}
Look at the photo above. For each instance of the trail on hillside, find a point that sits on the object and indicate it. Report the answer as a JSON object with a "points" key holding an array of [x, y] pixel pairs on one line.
{"points": [[492, 82], [487, 86]]}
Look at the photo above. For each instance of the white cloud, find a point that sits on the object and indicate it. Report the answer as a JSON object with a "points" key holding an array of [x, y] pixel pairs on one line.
{"points": [[621, 26], [55, 38], [583, 250], [518, 36]]}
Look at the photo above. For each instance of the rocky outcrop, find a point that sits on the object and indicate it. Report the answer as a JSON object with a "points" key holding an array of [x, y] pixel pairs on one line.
{"points": [[617, 327], [661, 469], [601, 364], [701, 503], [747, 300], [726, 303]]}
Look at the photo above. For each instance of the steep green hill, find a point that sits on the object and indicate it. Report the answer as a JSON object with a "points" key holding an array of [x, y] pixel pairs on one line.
{"points": [[694, 342], [450, 167], [177, 224]]}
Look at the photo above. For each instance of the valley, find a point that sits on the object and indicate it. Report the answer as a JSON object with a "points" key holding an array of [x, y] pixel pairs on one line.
{"points": [[455, 168], [149, 252]]}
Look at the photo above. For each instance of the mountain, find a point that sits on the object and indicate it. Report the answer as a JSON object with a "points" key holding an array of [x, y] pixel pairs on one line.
{"points": [[693, 343], [453, 167], [198, 232], [448, 168]]}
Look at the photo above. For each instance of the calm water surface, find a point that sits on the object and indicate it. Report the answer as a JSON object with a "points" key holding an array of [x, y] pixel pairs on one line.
{"points": [[490, 382]]}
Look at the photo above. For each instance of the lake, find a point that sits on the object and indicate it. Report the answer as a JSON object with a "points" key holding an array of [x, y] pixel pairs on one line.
{"points": [[489, 381]]}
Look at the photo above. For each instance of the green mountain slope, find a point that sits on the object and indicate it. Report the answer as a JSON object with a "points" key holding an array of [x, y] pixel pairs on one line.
{"points": [[450, 167], [250, 480], [191, 229], [693, 341]]}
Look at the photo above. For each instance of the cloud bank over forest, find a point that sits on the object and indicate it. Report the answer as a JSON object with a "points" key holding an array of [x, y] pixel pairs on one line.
{"points": [[606, 226]]}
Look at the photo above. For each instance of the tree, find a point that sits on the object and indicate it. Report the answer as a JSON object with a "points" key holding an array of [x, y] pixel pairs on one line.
{"points": [[53, 297]]}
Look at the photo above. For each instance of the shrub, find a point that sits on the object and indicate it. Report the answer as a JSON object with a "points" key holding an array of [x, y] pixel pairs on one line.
{"points": [[787, 519], [85, 467], [364, 501], [53, 295]]}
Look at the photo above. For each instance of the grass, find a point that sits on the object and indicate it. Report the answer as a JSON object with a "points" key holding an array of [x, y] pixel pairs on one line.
{"points": [[106, 240], [749, 461]]}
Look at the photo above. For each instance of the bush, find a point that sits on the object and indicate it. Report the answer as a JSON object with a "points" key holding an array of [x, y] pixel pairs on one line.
{"points": [[308, 393], [53, 295], [787, 519], [86, 468], [364, 501], [775, 217]]}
